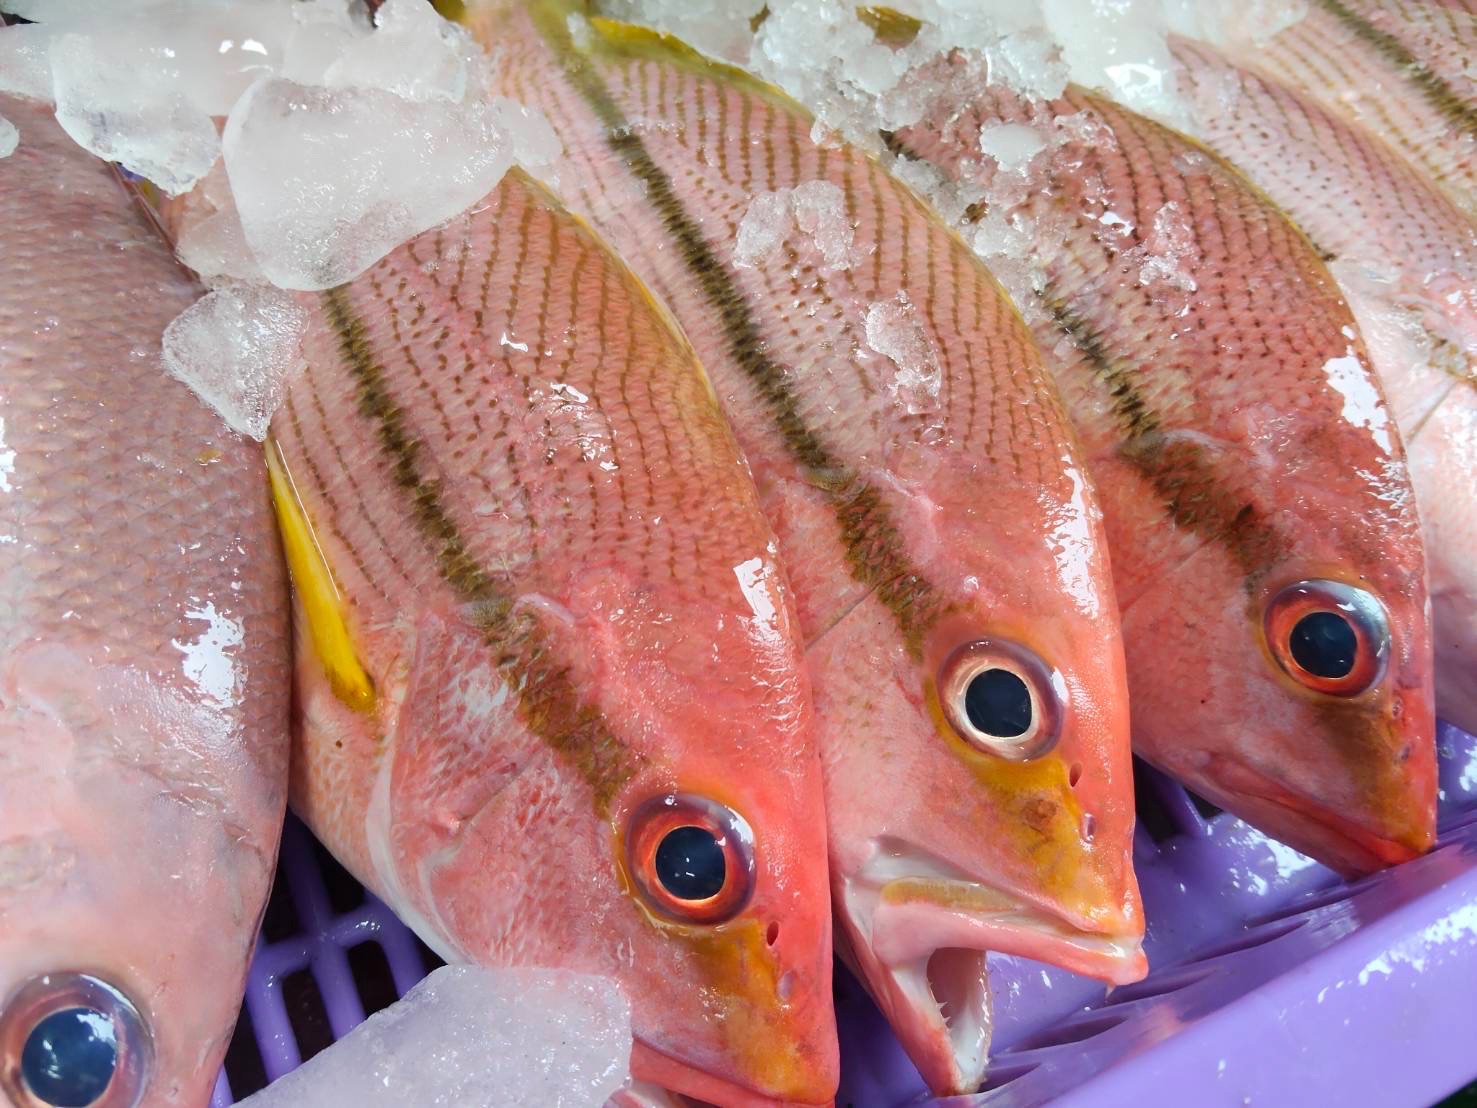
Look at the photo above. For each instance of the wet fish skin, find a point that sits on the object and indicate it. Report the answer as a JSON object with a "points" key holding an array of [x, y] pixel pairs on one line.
{"points": [[912, 520], [547, 600], [1344, 54], [1406, 258], [143, 627], [1240, 443]]}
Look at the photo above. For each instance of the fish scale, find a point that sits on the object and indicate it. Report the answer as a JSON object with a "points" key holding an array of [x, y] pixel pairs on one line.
{"points": [[1240, 442], [143, 627], [921, 505], [1407, 260], [540, 603], [1344, 55]]}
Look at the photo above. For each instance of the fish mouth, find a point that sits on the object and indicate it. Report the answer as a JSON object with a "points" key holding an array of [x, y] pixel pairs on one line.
{"points": [[917, 931], [1341, 843], [657, 1072]]}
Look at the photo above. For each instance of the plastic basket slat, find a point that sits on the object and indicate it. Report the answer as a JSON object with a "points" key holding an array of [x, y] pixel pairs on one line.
{"points": [[1272, 980]]}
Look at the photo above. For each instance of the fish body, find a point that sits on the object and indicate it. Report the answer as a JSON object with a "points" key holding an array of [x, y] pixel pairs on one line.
{"points": [[931, 510], [543, 629], [1250, 472], [1406, 78], [1406, 259], [143, 651]]}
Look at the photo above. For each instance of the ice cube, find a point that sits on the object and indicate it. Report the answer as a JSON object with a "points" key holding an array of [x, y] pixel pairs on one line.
{"points": [[9, 137], [466, 1037], [25, 60], [413, 53], [237, 347], [130, 114], [328, 181]]}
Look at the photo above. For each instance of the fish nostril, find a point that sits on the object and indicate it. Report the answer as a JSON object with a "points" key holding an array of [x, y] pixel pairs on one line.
{"points": [[69, 1058], [1074, 774], [771, 936]]}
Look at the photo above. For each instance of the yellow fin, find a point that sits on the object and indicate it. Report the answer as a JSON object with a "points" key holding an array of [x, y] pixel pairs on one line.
{"points": [[630, 40], [316, 589], [890, 26]]}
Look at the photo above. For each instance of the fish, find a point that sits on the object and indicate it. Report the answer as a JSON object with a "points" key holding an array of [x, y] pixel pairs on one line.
{"points": [[551, 703], [144, 669], [931, 509], [1266, 550], [1406, 259], [1356, 59]]}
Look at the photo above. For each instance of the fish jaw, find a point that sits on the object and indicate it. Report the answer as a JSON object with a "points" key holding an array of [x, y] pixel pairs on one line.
{"points": [[918, 933], [1349, 781], [1344, 844]]}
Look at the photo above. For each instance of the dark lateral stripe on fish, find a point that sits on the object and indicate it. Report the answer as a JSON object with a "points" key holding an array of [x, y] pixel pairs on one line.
{"points": [[1431, 85], [875, 551], [1177, 468], [549, 701]]}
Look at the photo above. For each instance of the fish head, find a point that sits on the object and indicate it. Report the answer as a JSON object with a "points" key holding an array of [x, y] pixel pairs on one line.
{"points": [[1311, 714], [670, 834], [981, 796], [113, 823], [722, 852]]}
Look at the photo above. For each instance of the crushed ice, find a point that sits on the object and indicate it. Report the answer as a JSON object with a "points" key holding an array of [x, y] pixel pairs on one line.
{"points": [[9, 136], [894, 328], [526, 1038], [813, 212], [868, 71]]}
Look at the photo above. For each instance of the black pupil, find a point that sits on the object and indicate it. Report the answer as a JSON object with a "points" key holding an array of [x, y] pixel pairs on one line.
{"points": [[998, 703], [69, 1057], [1324, 644], [689, 863]]}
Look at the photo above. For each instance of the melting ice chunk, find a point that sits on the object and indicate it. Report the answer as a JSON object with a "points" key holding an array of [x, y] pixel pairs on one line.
{"points": [[327, 181], [895, 328], [25, 65], [237, 347], [465, 1037], [816, 209], [413, 53], [9, 136], [132, 114]]}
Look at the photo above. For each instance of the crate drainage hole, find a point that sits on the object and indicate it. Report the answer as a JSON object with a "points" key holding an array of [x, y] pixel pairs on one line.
{"points": [[1256, 936], [1170, 981], [245, 1072], [306, 1013], [372, 978], [1074, 1032]]}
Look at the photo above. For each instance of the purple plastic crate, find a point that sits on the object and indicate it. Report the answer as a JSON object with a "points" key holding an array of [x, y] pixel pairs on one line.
{"points": [[1274, 983]]}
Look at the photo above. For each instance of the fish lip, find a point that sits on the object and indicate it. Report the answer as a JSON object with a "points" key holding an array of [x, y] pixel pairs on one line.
{"points": [[891, 938], [1356, 849], [997, 921], [658, 1067]]}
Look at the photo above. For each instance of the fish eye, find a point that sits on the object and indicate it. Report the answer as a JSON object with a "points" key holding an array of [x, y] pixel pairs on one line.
{"points": [[1003, 698], [692, 858], [70, 1040], [1328, 636]]}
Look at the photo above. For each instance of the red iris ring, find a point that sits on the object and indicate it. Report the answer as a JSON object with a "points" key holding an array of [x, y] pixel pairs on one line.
{"points": [[658, 817]]}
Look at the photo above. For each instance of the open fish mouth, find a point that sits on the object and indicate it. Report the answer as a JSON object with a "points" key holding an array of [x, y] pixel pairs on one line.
{"points": [[1307, 825], [918, 930]]}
